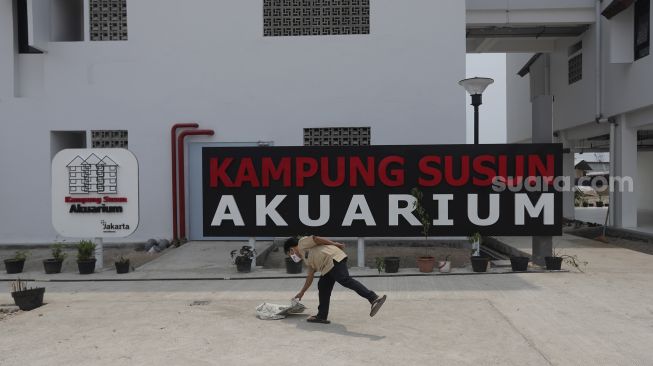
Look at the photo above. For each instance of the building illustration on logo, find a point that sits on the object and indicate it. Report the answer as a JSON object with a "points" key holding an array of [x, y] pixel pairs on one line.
{"points": [[92, 175]]}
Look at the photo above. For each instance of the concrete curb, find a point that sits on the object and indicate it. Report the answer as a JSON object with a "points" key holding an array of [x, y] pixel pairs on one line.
{"points": [[228, 278]]}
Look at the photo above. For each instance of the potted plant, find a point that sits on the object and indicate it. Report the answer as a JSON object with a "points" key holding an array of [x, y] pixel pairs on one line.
{"points": [[554, 263], [578, 197], [424, 263], [86, 257], [243, 258], [380, 264], [519, 264], [122, 264], [17, 262], [391, 264], [53, 265], [479, 263], [26, 298], [445, 265]]}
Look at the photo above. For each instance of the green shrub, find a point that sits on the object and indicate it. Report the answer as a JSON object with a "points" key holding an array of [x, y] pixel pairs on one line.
{"points": [[20, 255], [85, 250], [57, 252]]}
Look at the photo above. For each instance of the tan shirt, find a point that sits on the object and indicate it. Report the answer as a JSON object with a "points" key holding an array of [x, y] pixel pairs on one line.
{"points": [[320, 257]]}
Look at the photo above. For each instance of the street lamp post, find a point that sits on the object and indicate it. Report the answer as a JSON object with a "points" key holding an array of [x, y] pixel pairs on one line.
{"points": [[475, 87]]}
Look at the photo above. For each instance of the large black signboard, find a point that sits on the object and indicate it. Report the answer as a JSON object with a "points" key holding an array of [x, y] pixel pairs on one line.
{"points": [[369, 191]]}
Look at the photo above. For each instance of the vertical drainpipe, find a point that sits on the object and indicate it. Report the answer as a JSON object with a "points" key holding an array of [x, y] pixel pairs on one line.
{"points": [[599, 106], [173, 146], [180, 174], [599, 63]]}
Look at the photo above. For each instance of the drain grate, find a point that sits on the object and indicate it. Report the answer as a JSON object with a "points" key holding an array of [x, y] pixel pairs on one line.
{"points": [[200, 303]]}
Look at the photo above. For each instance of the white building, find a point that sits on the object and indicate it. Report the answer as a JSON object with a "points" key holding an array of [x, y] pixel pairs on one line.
{"points": [[602, 84], [217, 63], [116, 73]]}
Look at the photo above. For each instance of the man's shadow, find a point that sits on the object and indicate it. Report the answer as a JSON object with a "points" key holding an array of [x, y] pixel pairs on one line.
{"points": [[300, 321]]}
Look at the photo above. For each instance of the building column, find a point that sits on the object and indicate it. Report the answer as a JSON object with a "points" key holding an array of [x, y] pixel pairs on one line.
{"points": [[568, 170], [625, 170], [542, 246], [8, 51]]}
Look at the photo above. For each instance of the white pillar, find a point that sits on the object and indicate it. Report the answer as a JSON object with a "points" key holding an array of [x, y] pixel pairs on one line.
{"points": [[625, 167], [568, 170], [99, 254], [252, 243], [360, 247], [542, 246]]}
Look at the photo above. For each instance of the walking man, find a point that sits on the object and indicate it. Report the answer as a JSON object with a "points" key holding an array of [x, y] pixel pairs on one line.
{"points": [[326, 256]]}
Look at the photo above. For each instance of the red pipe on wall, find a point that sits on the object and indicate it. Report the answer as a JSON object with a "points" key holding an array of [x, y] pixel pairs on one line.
{"points": [[173, 145], [182, 181]]}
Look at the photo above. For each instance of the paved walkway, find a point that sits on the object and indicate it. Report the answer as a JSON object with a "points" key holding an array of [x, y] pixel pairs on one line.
{"points": [[602, 317]]}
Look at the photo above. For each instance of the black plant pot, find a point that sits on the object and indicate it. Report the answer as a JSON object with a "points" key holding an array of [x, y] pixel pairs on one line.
{"points": [[122, 267], [292, 267], [479, 264], [243, 265], [391, 264], [86, 266], [519, 264], [553, 263], [14, 266], [52, 266], [29, 299]]}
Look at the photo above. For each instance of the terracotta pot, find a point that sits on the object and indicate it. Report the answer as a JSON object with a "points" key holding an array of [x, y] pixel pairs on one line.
{"points": [[426, 264]]}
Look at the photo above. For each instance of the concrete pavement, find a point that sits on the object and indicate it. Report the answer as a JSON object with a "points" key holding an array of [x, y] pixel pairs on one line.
{"points": [[602, 317]]}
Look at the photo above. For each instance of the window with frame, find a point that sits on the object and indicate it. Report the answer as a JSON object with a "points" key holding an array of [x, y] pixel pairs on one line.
{"points": [[109, 139], [315, 17], [642, 28], [337, 136], [575, 63], [108, 20]]}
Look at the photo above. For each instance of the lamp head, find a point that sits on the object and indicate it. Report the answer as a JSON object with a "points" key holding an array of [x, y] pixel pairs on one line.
{"points": [[476, 86]]}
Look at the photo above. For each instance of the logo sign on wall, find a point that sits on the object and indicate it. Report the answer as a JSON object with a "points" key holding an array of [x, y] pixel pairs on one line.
{"points": [[367, 191], [95, 193]]}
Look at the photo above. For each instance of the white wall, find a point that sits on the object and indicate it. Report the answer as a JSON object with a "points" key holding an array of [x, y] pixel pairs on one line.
{"points": [[574, 104], [645, 180], [206, 61], [518, 103], [629, 86]]}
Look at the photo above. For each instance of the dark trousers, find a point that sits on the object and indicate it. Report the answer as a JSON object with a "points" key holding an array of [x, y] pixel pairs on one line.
{"points": [[339, 273]]}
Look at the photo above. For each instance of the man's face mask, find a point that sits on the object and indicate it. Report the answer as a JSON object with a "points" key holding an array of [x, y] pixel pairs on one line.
{"points": [[295, 258]]}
